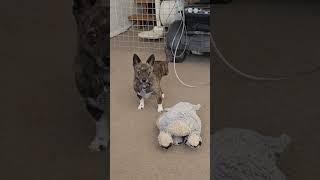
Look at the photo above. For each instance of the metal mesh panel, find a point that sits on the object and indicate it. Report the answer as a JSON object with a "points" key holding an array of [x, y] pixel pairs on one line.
{"points": [[135, 16], [133, 20]]}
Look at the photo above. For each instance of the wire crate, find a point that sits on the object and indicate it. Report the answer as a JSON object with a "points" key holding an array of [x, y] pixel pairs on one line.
{"points": [[129, 18]]}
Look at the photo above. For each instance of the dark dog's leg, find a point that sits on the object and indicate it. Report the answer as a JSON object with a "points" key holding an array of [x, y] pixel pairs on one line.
{"points": [[99, 141], [141, 102]]}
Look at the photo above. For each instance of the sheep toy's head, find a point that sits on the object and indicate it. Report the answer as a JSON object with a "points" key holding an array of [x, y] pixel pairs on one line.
{"points": [[193, 140], [165, 140]]}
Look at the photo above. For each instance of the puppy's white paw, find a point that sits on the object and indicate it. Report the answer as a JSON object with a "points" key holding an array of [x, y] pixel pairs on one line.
{"points": [[160, 108], [97, 145], [141, 105], [162, 95]]}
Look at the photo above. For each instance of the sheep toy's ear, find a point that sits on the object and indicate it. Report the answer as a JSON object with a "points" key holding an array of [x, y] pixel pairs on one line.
{"points": [[165, 140]]}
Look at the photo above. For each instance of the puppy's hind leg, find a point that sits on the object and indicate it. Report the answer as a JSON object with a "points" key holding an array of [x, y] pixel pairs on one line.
{"points": [[141, 102]]}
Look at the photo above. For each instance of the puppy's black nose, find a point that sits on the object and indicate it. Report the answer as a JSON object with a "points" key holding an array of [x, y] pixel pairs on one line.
{"points": [[144, 79]]}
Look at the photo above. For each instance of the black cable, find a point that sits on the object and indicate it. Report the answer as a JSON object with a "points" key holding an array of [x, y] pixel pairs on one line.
{"points": [[252, 77]]}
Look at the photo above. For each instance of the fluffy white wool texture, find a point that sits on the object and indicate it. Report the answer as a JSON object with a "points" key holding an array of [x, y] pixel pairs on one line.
{"points": [[165, 139], [194, 139], [184, 112], [180, 120], [178, 128]]}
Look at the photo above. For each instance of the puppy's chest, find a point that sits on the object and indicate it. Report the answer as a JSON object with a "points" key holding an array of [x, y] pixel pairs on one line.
{"points": [[145, 91]]}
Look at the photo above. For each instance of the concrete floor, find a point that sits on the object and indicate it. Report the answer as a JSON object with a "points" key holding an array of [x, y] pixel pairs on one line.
{"points": [[135, 153], [44, 127]]}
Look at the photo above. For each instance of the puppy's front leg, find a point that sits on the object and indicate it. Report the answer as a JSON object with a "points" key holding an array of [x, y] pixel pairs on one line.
{"points": [[141, 102], [159, 101]]}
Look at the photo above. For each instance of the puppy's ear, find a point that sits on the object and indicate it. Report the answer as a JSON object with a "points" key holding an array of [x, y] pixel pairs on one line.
{"points": [[151, 60], [136, 60]]}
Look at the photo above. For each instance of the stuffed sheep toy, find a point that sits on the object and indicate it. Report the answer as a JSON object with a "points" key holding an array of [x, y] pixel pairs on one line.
{"points": [[180, 124]]}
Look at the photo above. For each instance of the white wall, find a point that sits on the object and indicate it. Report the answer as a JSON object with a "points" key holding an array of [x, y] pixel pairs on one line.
{"points": [[119, 12]]}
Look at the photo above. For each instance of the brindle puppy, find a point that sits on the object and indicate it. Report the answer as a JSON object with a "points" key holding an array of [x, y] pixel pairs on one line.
{"points": [[147, 77]]}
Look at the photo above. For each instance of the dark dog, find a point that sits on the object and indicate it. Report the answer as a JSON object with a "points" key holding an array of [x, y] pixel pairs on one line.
{"points": [[147, 77], [92, 63]]}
